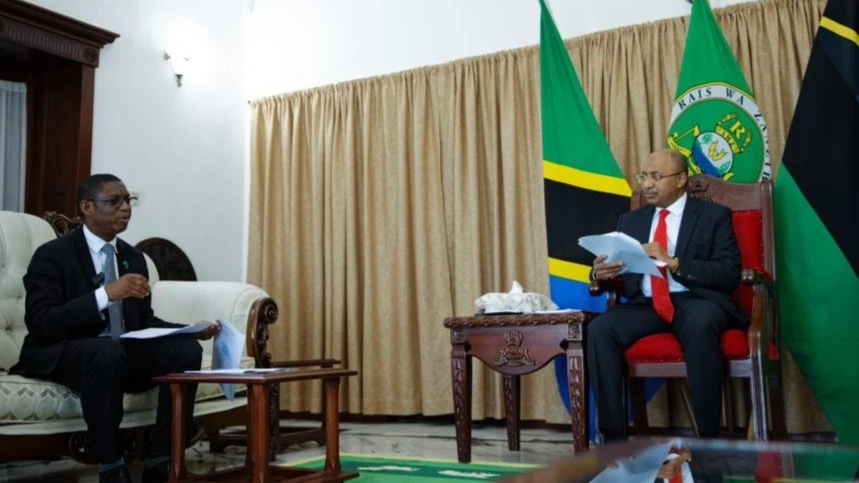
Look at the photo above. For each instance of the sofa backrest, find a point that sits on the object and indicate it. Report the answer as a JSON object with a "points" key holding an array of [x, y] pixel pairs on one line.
{"points": [[20, 235]]}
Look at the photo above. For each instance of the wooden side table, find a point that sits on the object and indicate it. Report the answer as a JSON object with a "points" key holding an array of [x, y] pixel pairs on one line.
{"points": [[260, 385], [281, 437], [516, 344]]}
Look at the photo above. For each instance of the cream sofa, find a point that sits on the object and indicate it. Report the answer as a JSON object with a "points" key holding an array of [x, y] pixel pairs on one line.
{"points": [[42, 419]]}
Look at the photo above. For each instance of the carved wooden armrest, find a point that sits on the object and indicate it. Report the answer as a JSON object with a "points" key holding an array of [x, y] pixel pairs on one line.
{"points": [[262, 314], [762, 333], [612, 287], [757, 318], [307, 363], [751, 276], [598, 287], [763, 306]]}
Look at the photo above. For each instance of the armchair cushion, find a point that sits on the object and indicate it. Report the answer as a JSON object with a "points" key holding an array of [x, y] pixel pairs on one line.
{"points": [[34, 400], [666, 348]]}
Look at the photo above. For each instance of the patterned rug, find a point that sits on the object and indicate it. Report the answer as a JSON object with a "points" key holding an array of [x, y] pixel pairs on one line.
{"points": [[379, 469]]}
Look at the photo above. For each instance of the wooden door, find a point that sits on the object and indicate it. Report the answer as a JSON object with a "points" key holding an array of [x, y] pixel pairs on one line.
{"points": [[57, 57], [60, 142]]}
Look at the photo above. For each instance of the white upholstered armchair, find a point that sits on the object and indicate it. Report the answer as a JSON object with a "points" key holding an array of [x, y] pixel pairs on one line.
{"points": [[41, 419]]}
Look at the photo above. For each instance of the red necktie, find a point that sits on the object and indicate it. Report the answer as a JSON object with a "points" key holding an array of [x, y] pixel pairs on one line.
{"points": [[659, 286]]}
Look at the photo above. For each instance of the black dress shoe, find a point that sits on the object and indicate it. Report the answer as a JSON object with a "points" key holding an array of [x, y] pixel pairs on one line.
{"points": [[116, 475], [157, 474]]}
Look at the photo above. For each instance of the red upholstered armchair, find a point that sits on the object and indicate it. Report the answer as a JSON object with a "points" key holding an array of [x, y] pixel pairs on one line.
{"points": [[752, 354]]}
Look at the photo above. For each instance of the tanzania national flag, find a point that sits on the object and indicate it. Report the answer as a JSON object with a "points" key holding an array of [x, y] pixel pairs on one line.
{"points": [[715, 122], [816, 222], [585, 189]]}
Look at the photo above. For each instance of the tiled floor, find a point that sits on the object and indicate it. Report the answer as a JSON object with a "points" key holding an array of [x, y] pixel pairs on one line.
{"points": [[429, 440]]}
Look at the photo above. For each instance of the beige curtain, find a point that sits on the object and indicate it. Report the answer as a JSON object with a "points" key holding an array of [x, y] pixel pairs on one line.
{"points": [[381, 206]]}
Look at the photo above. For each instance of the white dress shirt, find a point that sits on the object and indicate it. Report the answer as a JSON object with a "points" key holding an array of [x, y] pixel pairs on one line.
{"points": [[672, 222], [95, 244]]}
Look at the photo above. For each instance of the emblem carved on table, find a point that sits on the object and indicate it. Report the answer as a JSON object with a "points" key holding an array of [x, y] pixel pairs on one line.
{"points": [[456, 336], [514, 354], [575, 332]]}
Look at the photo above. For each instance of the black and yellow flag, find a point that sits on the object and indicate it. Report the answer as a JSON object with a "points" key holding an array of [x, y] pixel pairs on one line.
{"points": [[816, 221]]}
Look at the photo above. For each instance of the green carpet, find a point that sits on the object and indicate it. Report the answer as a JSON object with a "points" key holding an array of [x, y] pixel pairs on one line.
{"points": [[380, 469]]}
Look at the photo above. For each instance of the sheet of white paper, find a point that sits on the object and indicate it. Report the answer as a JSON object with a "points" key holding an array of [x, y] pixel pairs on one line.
{"points": [[249, 370], [621, 247], [227, 350], [557, 311], [154, 332], [643, 467]]}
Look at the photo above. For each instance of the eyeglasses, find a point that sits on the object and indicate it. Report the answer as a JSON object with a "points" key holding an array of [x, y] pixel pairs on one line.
{"points": [[115, 201], [657, 177]]}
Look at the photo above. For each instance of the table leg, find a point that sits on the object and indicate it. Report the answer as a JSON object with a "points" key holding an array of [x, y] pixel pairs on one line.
{"points": [[576, 378], [460, 366], [274, 422], [512, 402], [249, 456], [178, 440], [331, 422], [258, 433], [325, 366]]}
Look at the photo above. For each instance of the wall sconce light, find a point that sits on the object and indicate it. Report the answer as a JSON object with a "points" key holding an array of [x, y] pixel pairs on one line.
{"points": [[179, 64]]}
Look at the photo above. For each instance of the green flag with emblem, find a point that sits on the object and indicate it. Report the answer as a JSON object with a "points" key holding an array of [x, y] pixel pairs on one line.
{"points": [[715, 121]]}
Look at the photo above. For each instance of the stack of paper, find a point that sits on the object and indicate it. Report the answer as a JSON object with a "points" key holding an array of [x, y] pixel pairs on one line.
{"points": [[154, 333], [227, 350], [620, 247]]}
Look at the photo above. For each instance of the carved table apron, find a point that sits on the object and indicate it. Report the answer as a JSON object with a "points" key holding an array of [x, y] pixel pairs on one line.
{"points": [[516, 344]]}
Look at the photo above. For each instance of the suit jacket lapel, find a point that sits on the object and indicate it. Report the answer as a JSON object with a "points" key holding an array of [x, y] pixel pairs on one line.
{"points": [[687, 226], [84, 257], [123, 265], [640, 229], [122, 262]]}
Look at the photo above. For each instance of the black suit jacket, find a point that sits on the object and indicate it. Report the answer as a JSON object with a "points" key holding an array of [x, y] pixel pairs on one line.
{"points": [[60, 306], [710, 264]]}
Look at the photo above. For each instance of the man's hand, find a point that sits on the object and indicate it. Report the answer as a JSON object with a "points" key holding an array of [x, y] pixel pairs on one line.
{"points": [[210, 331], [669, 469], [606, 271], [129, 285], [655, 251]]}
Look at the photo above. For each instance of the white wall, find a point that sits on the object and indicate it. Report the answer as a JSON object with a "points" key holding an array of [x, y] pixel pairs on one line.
{"points": [[183, 148], [298, 44]]}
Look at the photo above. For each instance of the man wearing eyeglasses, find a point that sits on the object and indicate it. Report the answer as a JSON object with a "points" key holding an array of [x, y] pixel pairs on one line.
{"points": [[696, 242], [84, 290]]}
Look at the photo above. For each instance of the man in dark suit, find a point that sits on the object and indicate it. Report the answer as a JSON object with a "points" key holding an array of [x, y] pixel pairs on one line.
{"points": [[695, 239], [83, 291]]}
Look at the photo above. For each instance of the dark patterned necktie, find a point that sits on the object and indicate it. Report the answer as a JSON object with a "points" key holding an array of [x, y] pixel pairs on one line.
{"points": [[114, 310]]}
